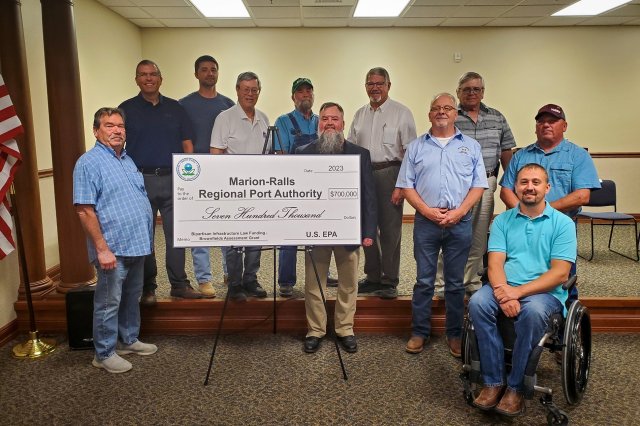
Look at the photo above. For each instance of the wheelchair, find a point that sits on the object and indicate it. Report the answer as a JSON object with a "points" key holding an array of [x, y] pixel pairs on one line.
{"points": [[570, 336]]}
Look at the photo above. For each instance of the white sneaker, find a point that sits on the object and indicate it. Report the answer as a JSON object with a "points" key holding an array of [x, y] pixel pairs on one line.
{"points": [[113, 364], [136, 347]]}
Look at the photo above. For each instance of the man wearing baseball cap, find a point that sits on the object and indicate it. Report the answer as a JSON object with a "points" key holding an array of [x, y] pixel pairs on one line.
{"points": [[572, 174]]}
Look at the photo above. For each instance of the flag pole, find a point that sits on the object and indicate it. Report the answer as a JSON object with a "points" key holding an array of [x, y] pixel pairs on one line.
{"points": [[34, 347]]}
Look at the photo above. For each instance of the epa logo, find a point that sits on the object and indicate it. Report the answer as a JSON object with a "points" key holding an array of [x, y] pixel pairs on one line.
{"points": [[188, 169]]}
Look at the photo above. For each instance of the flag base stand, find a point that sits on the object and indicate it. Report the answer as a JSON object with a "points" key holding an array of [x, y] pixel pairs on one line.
{"points": [[34, 347]]}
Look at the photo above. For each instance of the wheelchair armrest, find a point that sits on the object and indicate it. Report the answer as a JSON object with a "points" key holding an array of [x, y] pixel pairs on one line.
{"points": [[570, 283]]}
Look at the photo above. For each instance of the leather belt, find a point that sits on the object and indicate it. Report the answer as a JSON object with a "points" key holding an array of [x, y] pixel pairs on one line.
{"points": [[492, 173], [385, 164], [158, 171]]}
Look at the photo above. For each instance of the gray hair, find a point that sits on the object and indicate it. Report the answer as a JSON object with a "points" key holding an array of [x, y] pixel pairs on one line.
{"points": [[247, 76], [439, 95], [378, 71], [108, 111], [470, 76]]}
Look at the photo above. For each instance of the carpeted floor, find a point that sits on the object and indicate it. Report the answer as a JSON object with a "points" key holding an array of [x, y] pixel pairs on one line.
{"points": [[607, 275], [268, 380]]}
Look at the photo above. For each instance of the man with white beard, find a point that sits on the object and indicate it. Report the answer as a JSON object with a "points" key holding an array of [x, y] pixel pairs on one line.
{"points": [[331, 141]]}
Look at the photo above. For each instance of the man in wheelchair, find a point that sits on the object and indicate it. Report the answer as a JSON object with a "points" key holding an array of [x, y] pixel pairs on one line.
{"points": [[531, 250]]}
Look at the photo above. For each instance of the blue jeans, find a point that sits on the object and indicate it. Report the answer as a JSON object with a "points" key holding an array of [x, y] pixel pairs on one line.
{"points": [[455, 242], [243, 268], [287, 259], [116, 312], [202, 264], [530, 325]]}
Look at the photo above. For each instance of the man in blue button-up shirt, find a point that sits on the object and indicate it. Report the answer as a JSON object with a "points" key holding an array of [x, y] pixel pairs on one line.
{"points": [[442, 176], [112, 204]]}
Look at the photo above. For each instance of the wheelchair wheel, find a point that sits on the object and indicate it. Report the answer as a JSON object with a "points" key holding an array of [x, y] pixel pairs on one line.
{"points": [[560, 419], [576, 356]]}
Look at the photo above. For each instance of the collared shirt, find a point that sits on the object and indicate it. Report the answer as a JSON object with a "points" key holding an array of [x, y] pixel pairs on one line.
{"points": [[531, 244], [287, 132], [234, 132], [491, 131], [115, 188], [385, 132], [443, 175], [569, 166], [203, 112], [155, 132]]}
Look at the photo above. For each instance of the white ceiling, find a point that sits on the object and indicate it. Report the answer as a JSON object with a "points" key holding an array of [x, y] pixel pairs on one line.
{"points": [[337, 13]]}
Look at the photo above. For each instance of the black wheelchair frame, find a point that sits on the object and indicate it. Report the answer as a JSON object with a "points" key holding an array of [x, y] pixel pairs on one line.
{"points": [[570, 336]]}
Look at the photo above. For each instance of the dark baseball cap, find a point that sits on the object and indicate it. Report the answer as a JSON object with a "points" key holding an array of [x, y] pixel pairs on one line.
{"points": [[299, 82], [551, 109]]}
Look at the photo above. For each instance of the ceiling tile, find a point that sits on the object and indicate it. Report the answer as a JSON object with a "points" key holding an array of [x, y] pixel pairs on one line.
{"points": [[439, 2], [606, 20], [265, 3], [430, 11], [557, 21], [492, 2], [275, 12], [110, 3], [172, 12], [147, 23], [162, 3], [328, 22], [231, 23], [185, 23], [628, 10], [372, 22], [512, 22], [131, 12], [465, 22], [523, 11], [480, 11], [546, 2], [279, 23], [326, 12], [634, 22], [419, 22]]}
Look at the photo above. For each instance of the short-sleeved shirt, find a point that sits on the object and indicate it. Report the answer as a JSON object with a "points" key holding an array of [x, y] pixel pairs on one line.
{"points": [[287, 132], [203, 112], [491, 131], [115, 188], [443, 175], [155, 132], [531, 244], [234, 131], [385, 132], [569, 166]]}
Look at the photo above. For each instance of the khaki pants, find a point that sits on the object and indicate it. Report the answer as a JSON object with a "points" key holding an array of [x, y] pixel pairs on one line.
{"points": [[347, 264]]}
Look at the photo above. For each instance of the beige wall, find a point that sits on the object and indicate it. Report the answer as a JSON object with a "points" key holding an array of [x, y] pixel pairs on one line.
{"points": [[589, 71], [108, 49]]}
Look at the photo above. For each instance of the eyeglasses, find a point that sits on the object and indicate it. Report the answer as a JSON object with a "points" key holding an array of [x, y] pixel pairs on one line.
{"points": [[378, 84], [470, 90], [445, 108], [253, 91]]}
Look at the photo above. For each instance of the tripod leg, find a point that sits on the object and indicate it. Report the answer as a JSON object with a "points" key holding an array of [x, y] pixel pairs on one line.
{"points": [[215, 343], [275, 318], [330, 327]]}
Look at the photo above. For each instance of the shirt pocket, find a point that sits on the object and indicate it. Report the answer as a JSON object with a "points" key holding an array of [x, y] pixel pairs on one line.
{"points": [[463, 164], [560, 178], [389, 135]]}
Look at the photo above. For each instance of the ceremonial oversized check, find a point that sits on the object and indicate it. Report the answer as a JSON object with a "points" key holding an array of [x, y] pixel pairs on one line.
{"points": [[266, 200]]}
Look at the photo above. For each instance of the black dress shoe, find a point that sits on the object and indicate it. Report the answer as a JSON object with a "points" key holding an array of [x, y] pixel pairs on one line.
{"points": [[311, 344], [148, 299], [237, 293], [387, 292], [332, 282], [348, 343], [254, 289], [366, 286]]}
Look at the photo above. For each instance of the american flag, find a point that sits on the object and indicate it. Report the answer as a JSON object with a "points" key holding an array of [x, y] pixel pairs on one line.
{"points": [[10, 159]]}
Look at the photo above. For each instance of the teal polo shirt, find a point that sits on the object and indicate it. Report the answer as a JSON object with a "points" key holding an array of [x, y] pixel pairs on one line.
{"points": [[530, 244]]}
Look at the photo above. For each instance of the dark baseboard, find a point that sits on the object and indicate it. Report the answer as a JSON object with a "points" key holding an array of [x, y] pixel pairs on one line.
{"points": [[374, 315], [8, 332]]}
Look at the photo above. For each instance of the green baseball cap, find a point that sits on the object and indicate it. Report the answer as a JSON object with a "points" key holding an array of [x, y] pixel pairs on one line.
{"points": [[299, 82]]}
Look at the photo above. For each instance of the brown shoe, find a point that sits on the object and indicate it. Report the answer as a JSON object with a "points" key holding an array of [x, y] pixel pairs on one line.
{"points": [[148, 299], [185, 293], [206, 290], [415, 345], [455, 346], [511, 404], [489, 397]]}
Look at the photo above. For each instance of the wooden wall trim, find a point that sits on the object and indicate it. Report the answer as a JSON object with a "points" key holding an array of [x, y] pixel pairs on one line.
{"points": [[8, 332]]}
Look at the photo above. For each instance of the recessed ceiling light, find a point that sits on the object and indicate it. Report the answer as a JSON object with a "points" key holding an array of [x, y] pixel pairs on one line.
{"points": [[590, 7], [221, 8], [379, 8]]}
